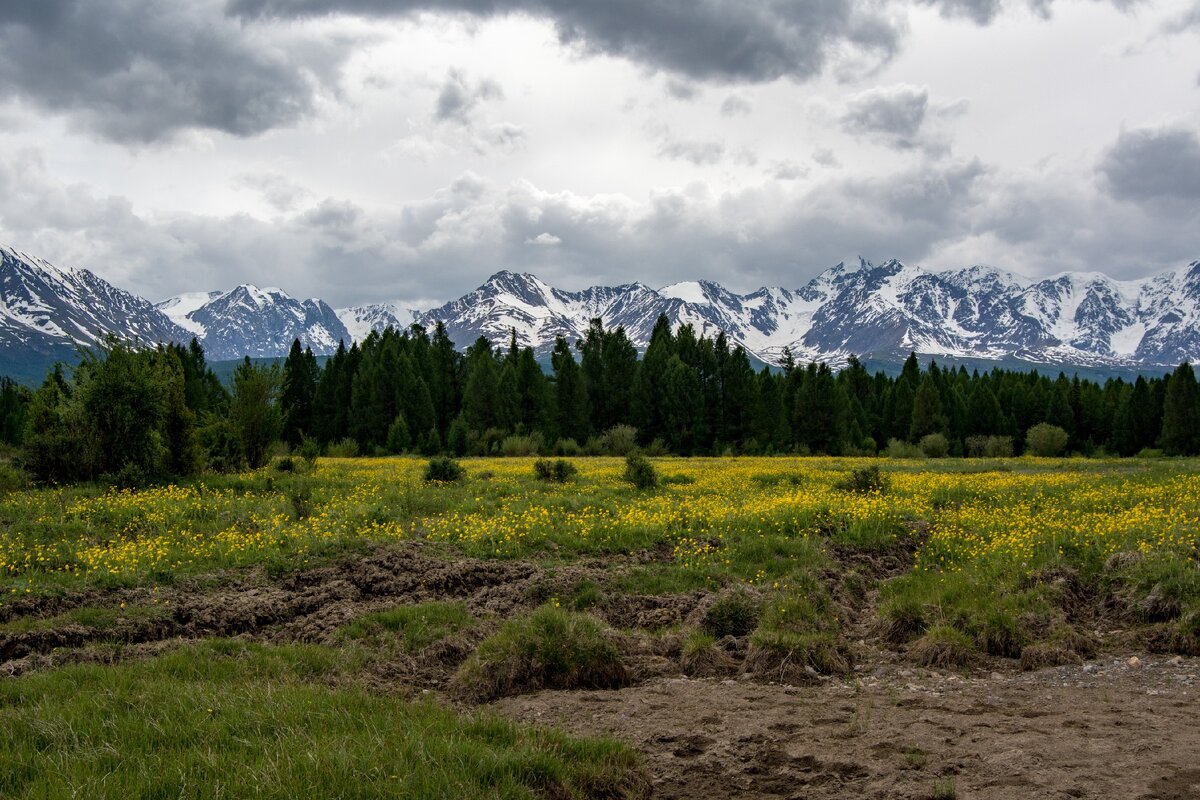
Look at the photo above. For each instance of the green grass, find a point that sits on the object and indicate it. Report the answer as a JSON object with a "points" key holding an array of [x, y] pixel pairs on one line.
{"points": [[413, 627], [100, 618], [550, 648], [229, 719]]}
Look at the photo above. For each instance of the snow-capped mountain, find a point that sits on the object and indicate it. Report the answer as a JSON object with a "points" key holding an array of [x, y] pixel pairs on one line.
{"points": [[882, 311], [256, 322], [885, 311], [361, 320], [46, 312]]}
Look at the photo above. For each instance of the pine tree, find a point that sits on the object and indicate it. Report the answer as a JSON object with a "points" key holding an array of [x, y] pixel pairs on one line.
{"points": [[482, 386], [927, 416], [1181, 417], [571, 418], [298, 393]]}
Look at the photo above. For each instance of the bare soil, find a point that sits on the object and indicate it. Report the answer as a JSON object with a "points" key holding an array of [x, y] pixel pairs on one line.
{"points": [[1099, 728], [1113, 731]]}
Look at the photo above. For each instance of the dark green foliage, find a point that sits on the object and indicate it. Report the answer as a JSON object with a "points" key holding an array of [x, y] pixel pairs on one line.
{"points": [[398, 439], [442, 469], [558, 471], [255, 416], [122, 415], [865, 480], [640, 472], [1181, 414]]}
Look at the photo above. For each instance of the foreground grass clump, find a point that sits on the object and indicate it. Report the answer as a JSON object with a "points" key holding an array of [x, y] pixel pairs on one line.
{"points": [[552, 648], [230, 719], [413, 627]]}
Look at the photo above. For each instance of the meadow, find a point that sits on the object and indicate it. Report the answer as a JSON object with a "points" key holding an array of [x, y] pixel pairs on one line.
{"points": [[784, 569]]}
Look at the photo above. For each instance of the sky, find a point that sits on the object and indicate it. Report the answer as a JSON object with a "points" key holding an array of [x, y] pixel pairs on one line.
{"points": [[402, 151]]}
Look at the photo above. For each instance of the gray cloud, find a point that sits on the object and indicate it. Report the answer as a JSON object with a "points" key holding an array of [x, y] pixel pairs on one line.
{"points": [[719, 40], [901, 116], [682, 90], [736, 104], [459, 97], [894, 114], [280, 192], [1154, 164], [139, 71], [981, 12], [699, 152]]}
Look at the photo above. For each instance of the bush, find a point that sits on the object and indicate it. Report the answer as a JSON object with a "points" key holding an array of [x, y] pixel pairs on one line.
{"points": [[898, 448], [1045, 440], [442, 469], [567, 447], [998, 447], [345, 448], [285, 464], [12, 479], [309, 450], [458, 437], [867, 480], [398, 439], [619, 440], [1149, 452], [640, 472], [552, 648], [522, 446], [657, 449], [559, 471], [734, 614], [934, 445]]}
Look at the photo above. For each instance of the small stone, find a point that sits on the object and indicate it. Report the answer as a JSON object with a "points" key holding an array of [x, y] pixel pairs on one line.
{"points": [[1089, 668], [811, 672], [1176, 661], [996, 676], [1134, 662]]}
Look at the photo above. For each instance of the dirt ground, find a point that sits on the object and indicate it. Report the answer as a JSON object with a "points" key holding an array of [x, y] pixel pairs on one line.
{"points": [[1104, 728]]}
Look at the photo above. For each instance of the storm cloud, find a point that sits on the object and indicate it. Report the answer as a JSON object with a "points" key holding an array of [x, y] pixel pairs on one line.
{"points": [[717, 40], [1154, 164], [139, 71]]}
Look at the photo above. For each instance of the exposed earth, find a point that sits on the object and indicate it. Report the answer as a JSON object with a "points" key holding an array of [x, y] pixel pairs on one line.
{"points": [[1109, 727]]}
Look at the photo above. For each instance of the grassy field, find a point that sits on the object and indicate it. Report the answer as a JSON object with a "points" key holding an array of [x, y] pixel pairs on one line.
{"points": [[778, 567]]}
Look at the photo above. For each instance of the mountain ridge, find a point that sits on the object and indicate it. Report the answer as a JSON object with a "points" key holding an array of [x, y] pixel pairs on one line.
{"points": [[884, 311]]}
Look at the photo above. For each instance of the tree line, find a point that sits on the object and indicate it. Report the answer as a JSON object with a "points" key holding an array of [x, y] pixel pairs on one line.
{"points": [[135, 415]]}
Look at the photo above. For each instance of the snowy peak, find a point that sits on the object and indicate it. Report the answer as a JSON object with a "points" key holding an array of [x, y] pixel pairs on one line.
{"points": [[47, 311], [884, 310], [360, 321], [260, 323]]}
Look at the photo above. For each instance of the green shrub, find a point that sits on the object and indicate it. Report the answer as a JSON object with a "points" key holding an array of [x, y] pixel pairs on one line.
{"points": [[12, 479], [559, 471], [443, 469], [567, 447], [309, 450], [898, 448], [619, 440], [1045, 440], [640, 472], [344, 448], [522, 446], [865, 480], [398, 439], [934, 445], [998, 447], [285, 464], [1149, 452], [734, 614], [552, 648]]}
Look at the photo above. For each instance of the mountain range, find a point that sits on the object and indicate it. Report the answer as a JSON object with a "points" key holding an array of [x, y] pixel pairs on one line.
{"points": [[884, 311]]}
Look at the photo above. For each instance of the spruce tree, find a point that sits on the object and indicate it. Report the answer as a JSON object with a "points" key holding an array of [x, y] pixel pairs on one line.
{"points": [[1180, 417]]}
